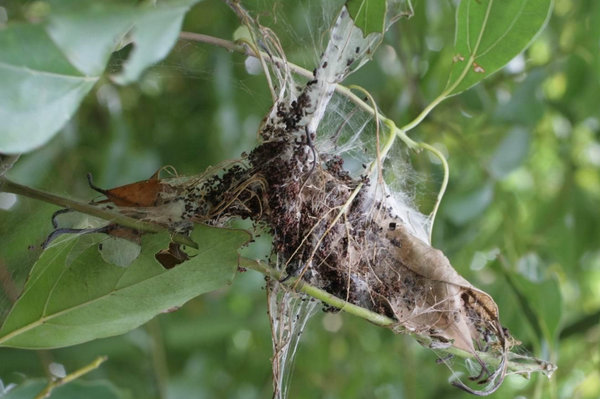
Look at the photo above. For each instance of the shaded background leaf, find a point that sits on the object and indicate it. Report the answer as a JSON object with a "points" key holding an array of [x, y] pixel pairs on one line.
{"points": [[540, 300], [510, 153], [47, 69], [524, 106], [470, 205]]}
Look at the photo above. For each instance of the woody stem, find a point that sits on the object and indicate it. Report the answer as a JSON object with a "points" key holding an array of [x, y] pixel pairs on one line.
{"points": [[9, 186]]}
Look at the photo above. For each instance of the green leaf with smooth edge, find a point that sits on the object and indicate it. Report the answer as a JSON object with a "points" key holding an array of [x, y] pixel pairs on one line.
{"points": [[368, 15], [73, 296], [88, 34], [47, 69], [40, 89], [489, 33]]}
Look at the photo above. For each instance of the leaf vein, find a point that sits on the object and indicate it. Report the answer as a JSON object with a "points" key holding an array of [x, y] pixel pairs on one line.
{"points": [[508, 29]]}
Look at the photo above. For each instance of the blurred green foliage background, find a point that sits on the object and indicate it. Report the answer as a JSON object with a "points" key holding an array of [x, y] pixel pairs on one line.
{"points": [[520, 219]]}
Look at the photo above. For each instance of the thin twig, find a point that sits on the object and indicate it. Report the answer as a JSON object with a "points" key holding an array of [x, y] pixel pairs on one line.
{"points": [[9, 186], [232, 46], [45, 393], [516, 363]]}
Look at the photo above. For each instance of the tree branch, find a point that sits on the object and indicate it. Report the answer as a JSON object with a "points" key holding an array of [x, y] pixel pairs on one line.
{"points": [[9, 186], [247, 50], [516, 363]]}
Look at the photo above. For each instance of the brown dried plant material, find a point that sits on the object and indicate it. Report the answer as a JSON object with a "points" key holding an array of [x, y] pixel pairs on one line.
{"points": [[155, 199], [354, 247], [459, 310], [140, 194], [172, 256], [331, 231]]}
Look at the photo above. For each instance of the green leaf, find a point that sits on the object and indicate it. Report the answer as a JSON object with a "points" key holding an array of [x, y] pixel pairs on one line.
{"points": [[368, 15], [73, 296], [89, 34], [72, 390], [489, 33], [40, 89], [524, 106], [47, 69]]}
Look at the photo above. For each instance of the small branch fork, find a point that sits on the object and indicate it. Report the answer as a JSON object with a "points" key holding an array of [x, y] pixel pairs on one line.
{"points": [[9, 186], [45, 393]]}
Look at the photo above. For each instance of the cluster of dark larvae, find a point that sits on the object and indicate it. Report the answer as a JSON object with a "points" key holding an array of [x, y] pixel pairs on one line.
{"points": [[329, 231]]}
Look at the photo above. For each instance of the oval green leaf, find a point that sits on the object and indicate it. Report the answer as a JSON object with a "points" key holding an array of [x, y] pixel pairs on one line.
{"points": [[489, 33], [541, 303], [461, 209], [73, 296]]}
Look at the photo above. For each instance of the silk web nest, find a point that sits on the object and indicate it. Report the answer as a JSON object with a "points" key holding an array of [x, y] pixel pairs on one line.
{"points": [[329, 182], [337, 224]]}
